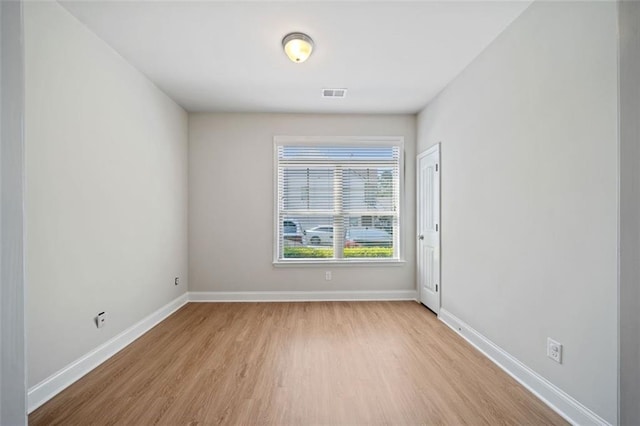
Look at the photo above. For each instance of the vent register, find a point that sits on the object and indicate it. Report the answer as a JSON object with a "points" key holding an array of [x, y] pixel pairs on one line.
{"points": [[334, 93]]}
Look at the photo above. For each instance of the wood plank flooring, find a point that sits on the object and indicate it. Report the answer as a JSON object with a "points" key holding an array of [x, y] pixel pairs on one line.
{"points": [[297, 363]]}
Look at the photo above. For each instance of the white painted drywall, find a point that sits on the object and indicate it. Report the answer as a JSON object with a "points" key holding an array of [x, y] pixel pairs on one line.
{"points": [[13, 410], [106, 191], [231, 203], [629, 21], [529, 194]]}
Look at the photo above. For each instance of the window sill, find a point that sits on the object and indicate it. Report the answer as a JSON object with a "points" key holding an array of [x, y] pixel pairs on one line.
{"points": [[338, 262]]}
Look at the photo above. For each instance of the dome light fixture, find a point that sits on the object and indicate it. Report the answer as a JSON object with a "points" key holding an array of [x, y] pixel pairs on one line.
{"points": [[297, 46]]}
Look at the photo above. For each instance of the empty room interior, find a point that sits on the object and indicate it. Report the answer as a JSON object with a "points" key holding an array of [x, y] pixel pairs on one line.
{"points": [[285, 212]]}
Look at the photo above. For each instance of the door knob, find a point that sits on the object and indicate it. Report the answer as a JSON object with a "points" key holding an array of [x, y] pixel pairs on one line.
{"points": [[421, 237]]}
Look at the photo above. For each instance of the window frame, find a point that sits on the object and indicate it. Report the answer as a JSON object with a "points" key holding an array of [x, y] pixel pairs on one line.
{"points": [[364, 141]]}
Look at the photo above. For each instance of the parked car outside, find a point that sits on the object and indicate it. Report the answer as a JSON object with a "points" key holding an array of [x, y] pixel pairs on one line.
{"points": [[319, 235], [291, 231], [367, 237]]}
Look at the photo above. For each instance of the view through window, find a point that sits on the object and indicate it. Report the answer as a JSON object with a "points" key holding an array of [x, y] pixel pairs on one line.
{"points": [[338, 199]]}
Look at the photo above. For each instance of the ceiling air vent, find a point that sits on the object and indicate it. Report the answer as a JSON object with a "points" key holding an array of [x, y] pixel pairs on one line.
{"points": [[334, 93]]}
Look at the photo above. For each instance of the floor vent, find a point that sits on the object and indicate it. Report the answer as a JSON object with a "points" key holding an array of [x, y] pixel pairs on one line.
{"points": [[334, 93]]}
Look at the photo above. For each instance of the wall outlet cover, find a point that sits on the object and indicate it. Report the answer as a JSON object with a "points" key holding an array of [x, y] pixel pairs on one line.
{"points": [[101, 319], [554, 350]]}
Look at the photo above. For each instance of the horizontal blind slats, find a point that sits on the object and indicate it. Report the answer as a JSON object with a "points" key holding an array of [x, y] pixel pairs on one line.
{"points": [[352, 191], [337, 153]]}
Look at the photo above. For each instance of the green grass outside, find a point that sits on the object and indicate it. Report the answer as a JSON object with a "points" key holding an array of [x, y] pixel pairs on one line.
{"points": [[327, 252]]}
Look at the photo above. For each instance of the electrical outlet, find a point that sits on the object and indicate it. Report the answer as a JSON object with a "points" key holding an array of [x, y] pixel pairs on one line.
{"points": [[176, 281], [327, 276], [554, 350], [101, 319]]}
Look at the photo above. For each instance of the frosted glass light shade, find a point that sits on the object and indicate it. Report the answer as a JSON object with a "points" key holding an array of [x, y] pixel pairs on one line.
{"points": [[297, 46]]}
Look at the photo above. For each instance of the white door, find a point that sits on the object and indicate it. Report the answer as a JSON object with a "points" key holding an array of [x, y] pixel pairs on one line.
{"points": [[428, 227]]}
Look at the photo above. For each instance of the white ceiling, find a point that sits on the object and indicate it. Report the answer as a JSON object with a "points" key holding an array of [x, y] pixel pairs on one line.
{"points": [[227, 56]]}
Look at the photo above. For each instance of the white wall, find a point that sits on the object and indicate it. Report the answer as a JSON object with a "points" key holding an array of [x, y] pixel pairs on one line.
{"points": [[529, 194], [12, 325], [106, 191], [629, 16], [231, 203]]}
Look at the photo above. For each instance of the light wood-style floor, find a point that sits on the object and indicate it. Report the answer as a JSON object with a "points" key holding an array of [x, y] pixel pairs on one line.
{"points": [[297, 363]]}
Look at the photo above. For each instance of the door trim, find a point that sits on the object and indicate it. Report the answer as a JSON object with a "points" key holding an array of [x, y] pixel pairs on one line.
{"points": [[427, 152]]}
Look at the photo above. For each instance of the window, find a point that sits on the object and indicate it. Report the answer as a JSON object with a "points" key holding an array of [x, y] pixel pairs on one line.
{"points": [[338, 199]]}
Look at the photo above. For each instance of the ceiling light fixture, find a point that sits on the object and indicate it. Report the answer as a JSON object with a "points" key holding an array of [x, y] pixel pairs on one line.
{"points": [[297, 46]]}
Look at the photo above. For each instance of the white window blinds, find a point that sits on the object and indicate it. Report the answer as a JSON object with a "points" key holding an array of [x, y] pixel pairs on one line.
{"points": [[338, 201]]}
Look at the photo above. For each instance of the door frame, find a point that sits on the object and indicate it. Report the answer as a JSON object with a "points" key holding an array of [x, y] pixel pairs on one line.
{"points": [[13, 368], [433, 148]]}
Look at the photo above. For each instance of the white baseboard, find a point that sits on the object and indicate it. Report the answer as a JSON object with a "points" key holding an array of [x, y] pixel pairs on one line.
{"points": [[51, 386], [301, 296], [573, 411]]}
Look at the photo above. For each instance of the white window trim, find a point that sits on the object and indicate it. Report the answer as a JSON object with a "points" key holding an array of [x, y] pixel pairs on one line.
{"points": [[340, 140]]}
